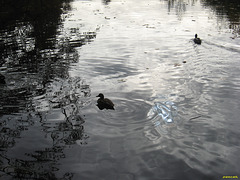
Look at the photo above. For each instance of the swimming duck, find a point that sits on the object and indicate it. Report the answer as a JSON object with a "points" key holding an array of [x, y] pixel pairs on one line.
{"points": [[197, 40], [2, 79], [104, 103]]}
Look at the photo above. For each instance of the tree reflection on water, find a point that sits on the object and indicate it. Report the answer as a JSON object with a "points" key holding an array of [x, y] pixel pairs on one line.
{"points": [[63, 132], [223, 8], [106, 2], [228, 8], [35, 63]]}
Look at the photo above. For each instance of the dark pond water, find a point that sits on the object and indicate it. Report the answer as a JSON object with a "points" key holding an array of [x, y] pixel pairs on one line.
{"points": [[176, 103]]}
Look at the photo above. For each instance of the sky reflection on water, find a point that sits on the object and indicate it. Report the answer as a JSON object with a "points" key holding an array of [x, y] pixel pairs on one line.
{"points": [[137, 53]]}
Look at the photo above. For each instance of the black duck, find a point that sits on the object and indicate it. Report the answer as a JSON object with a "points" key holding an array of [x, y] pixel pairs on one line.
{"points": [[104, 103], [197, 40]]}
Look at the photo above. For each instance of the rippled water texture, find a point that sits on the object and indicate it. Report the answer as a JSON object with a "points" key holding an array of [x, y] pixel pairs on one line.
{"points": [[176, 103]]}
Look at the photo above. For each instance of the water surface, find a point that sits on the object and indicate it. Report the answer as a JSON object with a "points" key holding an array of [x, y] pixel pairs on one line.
{"points": [[139, 54]]}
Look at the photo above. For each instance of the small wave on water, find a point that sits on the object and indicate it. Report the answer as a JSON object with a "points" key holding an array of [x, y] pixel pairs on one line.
{"points": [[61, 93]]}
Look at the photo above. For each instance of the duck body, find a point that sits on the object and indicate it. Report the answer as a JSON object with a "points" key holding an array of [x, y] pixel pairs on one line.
{"points": [[104, 103], [197, 40]]}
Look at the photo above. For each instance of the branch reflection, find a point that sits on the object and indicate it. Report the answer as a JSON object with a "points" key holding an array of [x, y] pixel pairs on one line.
{"points": [[34, 85]]}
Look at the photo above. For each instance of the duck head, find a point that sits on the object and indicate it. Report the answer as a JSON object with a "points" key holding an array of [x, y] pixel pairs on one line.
{"points": [[195, 35], [100, 95]]}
